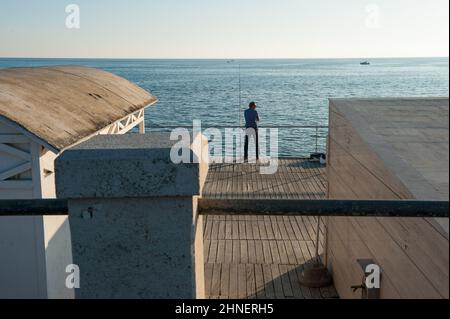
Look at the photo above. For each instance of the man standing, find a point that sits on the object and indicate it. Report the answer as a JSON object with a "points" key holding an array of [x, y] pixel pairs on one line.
{"points": [[251, 129]]}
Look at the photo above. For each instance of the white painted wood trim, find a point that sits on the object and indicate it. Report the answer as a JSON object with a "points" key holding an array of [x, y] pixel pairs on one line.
{"points": [[14, 139], [27, 133], [15, 152], [15, 171], [111, 129], [36, 169], [16, 184]]}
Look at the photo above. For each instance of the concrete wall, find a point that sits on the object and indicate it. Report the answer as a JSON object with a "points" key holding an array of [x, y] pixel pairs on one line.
{"points": [[413, 253], [133, 218]]}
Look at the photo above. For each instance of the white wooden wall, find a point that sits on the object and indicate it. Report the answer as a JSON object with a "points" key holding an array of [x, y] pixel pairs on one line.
{"points": [[22, 247], [34, 251]]}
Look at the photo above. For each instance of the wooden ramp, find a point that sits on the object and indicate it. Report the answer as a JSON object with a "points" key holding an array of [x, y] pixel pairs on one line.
{"points": [[262, 256]]}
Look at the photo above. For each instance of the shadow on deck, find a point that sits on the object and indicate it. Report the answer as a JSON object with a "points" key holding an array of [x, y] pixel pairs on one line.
{"points": [[262, 256]]}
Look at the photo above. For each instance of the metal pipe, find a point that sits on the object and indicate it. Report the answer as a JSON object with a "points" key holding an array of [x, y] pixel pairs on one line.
{"points": [[236, 126], [34, 207], [349, 208], [283, 207]]}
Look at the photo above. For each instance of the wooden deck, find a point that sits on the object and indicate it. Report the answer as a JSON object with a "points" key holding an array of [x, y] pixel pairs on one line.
{"points": [[262, 256], [295, 179]]}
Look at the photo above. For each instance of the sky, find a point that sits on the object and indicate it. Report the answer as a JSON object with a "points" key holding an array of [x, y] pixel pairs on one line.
{"points": [[225, 28]]}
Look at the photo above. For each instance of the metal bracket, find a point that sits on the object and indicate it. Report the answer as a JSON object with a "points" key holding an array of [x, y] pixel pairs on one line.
{"points": [[367, 293]]}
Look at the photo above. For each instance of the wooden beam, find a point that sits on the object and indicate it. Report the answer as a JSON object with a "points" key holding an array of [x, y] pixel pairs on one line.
{"points": [[129, 127], [16, 184], [14, 139], [36, 169], [355, 208], [15, 171], [15, 152]]}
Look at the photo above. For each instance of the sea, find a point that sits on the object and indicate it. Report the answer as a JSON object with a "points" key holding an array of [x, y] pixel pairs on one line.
{"points": [[292, 95]]}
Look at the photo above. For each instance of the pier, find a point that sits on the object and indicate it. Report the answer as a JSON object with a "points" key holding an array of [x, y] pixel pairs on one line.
{"points": [[262, 256]]}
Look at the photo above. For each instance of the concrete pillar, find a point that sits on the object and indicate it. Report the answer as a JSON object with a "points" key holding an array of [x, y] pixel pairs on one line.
{"points": [[133, 218]]}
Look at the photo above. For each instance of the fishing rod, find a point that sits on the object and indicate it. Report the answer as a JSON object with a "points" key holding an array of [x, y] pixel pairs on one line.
{"points": [[240, 95]]}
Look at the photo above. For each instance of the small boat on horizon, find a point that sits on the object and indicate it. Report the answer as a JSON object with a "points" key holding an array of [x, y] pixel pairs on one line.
{"points": [[365, 63]]}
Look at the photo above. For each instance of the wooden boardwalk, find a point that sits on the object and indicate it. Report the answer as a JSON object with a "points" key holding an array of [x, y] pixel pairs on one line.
{"points": [[295, 179], [262, 256]]}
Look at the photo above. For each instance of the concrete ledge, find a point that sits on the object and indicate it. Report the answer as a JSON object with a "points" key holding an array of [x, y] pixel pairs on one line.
{"points": [[125, 166]]}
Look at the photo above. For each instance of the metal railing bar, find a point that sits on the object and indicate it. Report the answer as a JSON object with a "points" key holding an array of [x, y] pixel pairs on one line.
{"points": [[237, 126], [349, 208], [33, 207]]}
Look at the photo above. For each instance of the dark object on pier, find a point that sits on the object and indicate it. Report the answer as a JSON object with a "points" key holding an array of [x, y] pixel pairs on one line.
{"points": [[318, 157]]}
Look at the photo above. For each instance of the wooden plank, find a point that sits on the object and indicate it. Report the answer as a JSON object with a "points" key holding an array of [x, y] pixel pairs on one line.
{"points": [[259, 281], [206, 247], [267, 252], [236, 251], [220, 258], [228, 228], [283, 253], [274, 251], [262, 228], [285, 281], [242, 281], [296, 228], [233, 288], [235, 228], [275, 228], [282, 227], [251, 281], [303, 230], [295, 282], [269, 229], [208, 279], [242, 233], [259, 252], [255, 228], [215, 281], [251, 252], [292, 259], [225, 281], [298, 253], [277, 283], [305, 251], [215, 229], [244, 251], [213, 251], [248, 230], [268, 279], [289, 229], [221, 234], [228, 256]]}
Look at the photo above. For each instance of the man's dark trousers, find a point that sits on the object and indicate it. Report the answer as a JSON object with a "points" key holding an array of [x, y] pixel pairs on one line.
{"points": [[251, 132]]}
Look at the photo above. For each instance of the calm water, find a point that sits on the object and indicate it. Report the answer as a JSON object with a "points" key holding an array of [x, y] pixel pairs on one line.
{"points": [[289, 92]]}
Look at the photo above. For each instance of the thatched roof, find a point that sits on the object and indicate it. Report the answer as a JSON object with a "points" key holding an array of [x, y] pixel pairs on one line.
{"points": [[66, 104]]}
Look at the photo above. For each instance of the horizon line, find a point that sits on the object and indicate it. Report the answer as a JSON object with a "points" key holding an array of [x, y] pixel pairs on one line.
{"points": [[224, 58]]}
